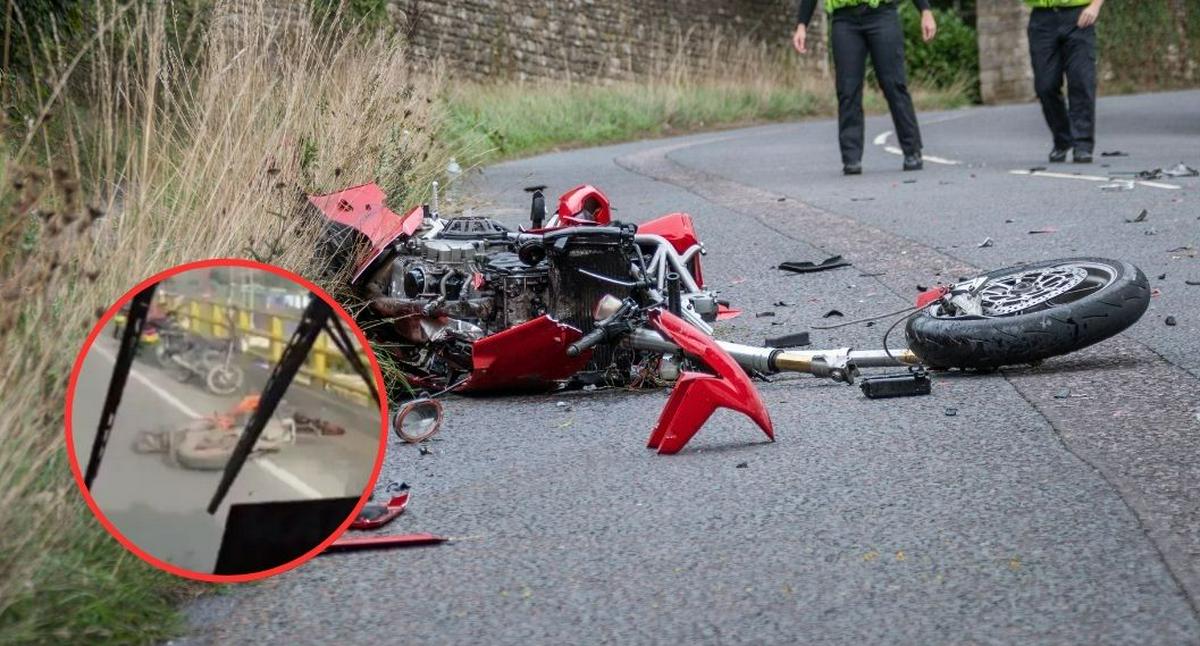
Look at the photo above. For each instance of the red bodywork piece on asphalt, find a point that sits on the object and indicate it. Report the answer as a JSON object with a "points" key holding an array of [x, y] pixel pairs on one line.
{"points": [[696, 395], [394, 508], [362, 208], [930, 295], [529, 356], [376, 542]]}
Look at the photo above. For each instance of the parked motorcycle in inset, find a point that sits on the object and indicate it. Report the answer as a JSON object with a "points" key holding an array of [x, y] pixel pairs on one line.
{"points": [[187, 357]]}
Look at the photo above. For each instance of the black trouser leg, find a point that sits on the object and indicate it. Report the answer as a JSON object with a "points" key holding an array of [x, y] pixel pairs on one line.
{"points": [[1047, 59], [885, 39], [1080, 51], [850, 68]]}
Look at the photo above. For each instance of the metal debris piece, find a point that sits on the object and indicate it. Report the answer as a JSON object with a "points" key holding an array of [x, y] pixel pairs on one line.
{"points": [[1181, 170], [1149, 174], [951, 412], [782, 304], [425, 450], [1171, 322], [987, 242], [788, 340], [1141, 217], [1063, 394], [806, 266], [1118, 185]]}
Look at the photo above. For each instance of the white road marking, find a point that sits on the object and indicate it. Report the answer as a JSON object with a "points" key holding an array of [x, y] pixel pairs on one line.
{"points": [[1090, 178], [882, 138], [286, 477]]}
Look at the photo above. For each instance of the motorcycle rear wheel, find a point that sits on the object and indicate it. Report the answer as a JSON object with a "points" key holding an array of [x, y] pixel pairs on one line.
{"points": [[1034, 312]]}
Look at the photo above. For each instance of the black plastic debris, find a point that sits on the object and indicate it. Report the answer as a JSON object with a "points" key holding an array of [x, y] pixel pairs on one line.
{"points": [[1040, 231], [1171, 322], [1036, 169], [1114, 153], [763, 315], [1193, 283], [1141, 217], [862, 199], [872, 274], [922, 288], [742, 465], [1162, 276], [987, 242], [782, 304], [1181, 170], [905, 384], [1155, 173], [788, 340], [1009, 221], [910, 181], [806, 266], [782, 199], [425, 450], [951, 412], [832, 313]]}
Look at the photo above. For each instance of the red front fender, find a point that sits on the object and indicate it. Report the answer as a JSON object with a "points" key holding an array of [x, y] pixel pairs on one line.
{"points": [[697, 395]]}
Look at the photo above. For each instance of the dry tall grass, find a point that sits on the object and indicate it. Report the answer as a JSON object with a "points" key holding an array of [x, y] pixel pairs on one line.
{"points": [[139, 160]]}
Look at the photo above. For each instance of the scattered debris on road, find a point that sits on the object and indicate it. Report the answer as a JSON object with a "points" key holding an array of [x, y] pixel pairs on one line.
{"points": [[788, 340], [905, 384], [1046, 230], [951, 412], [1193, 283], [1065, 393], [742, 465], [832, 313], [987, 242], [1170, 321], [1118, 185], [1181, 170], [379, 542], [807, 266], [1141, 217], [763, 315], [1114, 153]]}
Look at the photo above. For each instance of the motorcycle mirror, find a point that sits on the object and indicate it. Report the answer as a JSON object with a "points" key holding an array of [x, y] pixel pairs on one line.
{"points": [[418, 420]]}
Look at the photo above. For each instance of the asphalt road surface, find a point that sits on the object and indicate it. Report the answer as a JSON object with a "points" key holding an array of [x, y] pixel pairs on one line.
{"points": [[1024, 518], [159, 505]]}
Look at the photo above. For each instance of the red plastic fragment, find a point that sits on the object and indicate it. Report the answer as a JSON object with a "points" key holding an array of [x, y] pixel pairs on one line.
{"points": [[697, 396], [930, 295], [395, 507], [362, 208], [377, 542]]}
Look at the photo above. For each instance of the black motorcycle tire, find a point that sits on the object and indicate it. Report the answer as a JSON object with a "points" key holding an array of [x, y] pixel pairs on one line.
{"points": [[1030, 336]]}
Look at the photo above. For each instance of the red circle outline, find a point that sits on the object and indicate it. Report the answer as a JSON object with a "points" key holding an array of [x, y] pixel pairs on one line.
{"points": [[87, 346]]}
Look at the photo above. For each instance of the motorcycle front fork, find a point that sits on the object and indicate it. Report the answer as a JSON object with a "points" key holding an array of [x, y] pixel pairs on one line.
{"points": [[840, 365]]}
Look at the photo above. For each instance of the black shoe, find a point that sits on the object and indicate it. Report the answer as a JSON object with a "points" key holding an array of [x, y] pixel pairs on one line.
{"points": [[854, 168], [1058, 155], [1082, 157], [913, 162]]}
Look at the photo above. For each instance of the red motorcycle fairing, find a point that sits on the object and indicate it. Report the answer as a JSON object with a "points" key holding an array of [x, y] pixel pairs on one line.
{"points": [[362, 209], [529, 356], [677, 229], [697, 395], [581, 200]]}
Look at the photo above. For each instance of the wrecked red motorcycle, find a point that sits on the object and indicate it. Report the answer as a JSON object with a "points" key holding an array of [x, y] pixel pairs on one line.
{"points": [[576, 299]]}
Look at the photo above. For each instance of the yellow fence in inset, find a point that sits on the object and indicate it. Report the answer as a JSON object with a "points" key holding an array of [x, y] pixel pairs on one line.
{"points": [[265, 335]]}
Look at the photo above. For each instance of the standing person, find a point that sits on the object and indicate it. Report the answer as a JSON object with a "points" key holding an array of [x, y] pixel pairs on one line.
{"points": [[859, 28], [1062, 41]]}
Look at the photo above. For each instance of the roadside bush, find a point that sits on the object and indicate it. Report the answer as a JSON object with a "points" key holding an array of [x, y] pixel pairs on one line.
{"points": [[951, 60]]}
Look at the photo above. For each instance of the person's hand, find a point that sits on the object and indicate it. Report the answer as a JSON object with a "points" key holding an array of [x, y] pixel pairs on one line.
{"points": [[928, 25], [1089, 15], [800, 38]]}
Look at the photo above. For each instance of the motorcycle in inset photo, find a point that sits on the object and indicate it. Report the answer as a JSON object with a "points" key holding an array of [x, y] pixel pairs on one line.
{"points": [[187, 357]]}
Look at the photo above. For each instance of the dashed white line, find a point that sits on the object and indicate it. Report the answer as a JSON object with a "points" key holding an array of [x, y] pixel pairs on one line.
{"points": [[1090, 178], [270, 467]]}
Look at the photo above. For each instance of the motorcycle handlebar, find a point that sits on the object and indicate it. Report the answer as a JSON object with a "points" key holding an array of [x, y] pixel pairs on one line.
{"points": [[590, 339]]}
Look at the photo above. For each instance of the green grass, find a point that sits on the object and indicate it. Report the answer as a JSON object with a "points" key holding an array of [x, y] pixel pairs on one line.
{"points": [[514, 120]]}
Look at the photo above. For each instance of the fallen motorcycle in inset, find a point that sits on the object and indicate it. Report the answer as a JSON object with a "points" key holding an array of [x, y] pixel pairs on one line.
{"points": [[468, 305], [187, 357]]}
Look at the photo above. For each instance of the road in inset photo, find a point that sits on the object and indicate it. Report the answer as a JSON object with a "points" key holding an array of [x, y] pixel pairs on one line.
{"points": [[209, 343]]}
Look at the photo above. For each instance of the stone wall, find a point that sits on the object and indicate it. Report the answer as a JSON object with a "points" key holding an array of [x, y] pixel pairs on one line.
{"points": [[1004, 71], [595, 40]]}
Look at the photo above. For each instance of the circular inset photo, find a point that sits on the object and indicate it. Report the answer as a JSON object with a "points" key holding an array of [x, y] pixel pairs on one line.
{"points": [[224, 420]]}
